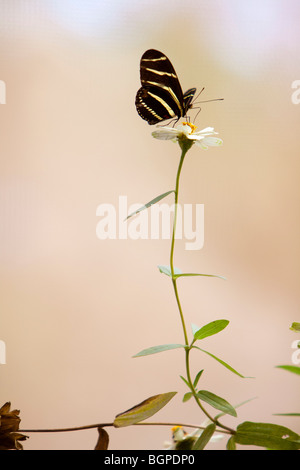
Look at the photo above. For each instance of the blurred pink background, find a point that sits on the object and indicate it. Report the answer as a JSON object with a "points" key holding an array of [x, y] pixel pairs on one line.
{"points": [[75, 309]]}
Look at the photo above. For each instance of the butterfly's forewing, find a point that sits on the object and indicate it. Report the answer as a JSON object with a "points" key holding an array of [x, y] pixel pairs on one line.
{"points": [[160, 96]]}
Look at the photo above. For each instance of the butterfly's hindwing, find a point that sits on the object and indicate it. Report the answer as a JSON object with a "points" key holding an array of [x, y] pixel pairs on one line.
{"points": [[160, 96], [155, 104], [187, 98]]}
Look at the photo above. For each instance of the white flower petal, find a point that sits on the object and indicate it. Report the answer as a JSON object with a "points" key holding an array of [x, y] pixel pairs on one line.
{"points": [[209, 130], [206, 132], [196, 137], [166, 133], [182, 128], [202, 138], [209, 142]]}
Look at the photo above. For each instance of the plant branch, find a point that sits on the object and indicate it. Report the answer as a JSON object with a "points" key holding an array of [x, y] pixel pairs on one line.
{"points": [[105, 425]]}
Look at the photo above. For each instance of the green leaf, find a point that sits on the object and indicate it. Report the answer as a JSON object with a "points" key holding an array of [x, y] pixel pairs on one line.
{"points": [[197, 274], [231, 444], [218, 416], [286, 414], [270, 436], [197, 378], [187, 396], [205, 437], [167, 270], [217, 402], [154, 201], [143, 410], [186, 382], [210, 329], [157, 349], [295, 326], [294, 369], [221, 362], [178, 273]]}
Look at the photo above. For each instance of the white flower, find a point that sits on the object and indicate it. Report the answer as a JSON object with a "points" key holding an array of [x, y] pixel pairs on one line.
{"points": [[182, 440], [187, 130]]}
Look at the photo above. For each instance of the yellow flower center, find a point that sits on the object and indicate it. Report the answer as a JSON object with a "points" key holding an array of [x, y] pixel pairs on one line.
{"points": [[192, 126], [175, 428]]}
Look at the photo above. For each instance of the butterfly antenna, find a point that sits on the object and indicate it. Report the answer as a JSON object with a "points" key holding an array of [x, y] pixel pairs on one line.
{"points": [[199, 94], [208, 101]]}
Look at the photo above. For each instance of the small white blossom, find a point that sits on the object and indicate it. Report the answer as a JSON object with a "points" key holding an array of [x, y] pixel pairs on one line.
{"points": [[186, 130], [179, 435]]}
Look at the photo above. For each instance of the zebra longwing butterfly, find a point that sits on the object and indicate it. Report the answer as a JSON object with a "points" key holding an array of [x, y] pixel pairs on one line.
{"points": [[160, 96]]}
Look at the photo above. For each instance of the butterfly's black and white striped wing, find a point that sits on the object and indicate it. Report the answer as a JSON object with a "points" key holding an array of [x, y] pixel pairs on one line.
{"points": [[160, 96]]}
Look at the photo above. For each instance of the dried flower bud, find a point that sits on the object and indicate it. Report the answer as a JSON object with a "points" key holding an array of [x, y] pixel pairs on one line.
{"points": [[9, 424]]}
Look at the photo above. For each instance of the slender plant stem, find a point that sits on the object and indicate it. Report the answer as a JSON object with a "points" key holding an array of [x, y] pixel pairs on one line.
{"points": [[175, 211], [105, 425], [174, 282], [189, 379]]}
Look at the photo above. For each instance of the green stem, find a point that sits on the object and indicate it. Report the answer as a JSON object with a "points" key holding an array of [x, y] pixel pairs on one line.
{"points": [[189, 379], [184, 151], [174, 282]]}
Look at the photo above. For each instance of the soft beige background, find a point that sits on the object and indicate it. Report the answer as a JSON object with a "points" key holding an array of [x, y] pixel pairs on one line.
{"points": [[74, 309]]}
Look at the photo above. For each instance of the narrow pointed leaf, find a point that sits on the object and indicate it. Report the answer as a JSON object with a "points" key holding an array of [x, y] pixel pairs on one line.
{"points": [[221, 362], [210, 329], [217, 402], [178, 273], [143, 410], [205, 437], [197, 378], [154, 201], [186, 382], [158, 349], [270, 436], [197, 274], [294, 369], [218, 416]]}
